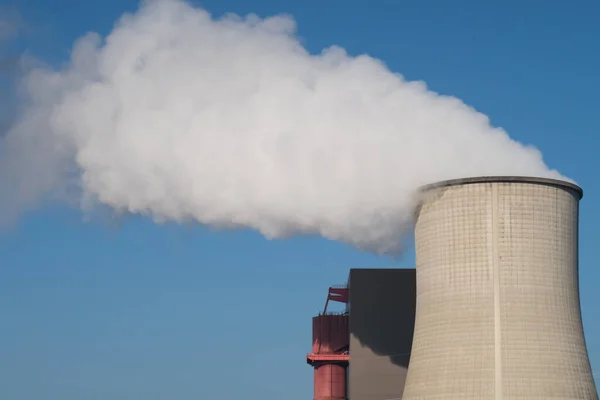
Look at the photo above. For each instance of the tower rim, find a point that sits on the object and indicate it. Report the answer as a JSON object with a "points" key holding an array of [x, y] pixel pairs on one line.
{"points": [[569, 186]]}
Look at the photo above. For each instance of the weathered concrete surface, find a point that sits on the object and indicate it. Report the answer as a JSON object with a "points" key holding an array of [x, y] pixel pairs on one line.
{"points": [[498, 313]]}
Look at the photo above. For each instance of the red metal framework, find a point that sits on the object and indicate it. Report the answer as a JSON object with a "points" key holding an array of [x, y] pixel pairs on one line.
{"points": [[337, 293], [329, 356]]}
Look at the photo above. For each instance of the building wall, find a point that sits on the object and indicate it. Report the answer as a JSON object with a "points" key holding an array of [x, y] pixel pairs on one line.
{"points": [[498, 312], [382, 305]]}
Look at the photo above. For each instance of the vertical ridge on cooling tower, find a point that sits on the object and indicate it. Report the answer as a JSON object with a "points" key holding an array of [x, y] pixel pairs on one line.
{"points": [[497, 307], [497, 319]]}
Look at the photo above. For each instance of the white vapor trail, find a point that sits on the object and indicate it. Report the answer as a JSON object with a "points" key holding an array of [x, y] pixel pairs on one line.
{"points": [[231, 122]]}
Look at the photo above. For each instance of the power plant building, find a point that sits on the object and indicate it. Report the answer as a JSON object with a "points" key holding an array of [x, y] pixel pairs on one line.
{"points": [[376, 329], [491, 311]]}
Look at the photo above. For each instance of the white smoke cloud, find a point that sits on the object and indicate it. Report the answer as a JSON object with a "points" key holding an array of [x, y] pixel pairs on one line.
{"points": [[232, 123]]}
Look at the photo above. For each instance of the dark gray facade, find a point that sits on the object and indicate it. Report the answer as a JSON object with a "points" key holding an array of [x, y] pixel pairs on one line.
{"points": [[382, 318]]}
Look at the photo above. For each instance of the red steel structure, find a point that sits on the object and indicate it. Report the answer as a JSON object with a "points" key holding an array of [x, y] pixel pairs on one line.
{"points": [[329, 356]]}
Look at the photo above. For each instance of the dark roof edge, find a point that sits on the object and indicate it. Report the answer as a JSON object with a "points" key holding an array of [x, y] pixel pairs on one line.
{"points": [[507, 179]]}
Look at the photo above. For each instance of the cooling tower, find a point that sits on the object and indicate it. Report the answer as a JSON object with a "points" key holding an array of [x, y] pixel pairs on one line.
{"points": [[498, 314]]}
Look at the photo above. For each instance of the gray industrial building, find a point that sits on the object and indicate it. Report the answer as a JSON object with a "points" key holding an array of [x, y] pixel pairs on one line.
{"points": [[491, 311], [382, 316]]}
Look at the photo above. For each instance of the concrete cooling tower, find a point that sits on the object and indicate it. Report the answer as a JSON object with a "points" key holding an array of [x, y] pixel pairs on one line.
{"points": [[497, 309]]}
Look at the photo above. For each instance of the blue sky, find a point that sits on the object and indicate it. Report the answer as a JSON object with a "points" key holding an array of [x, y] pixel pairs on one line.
{"points": [[129, 309]]}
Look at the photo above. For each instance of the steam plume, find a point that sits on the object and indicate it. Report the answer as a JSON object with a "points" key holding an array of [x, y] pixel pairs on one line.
{"points": [[232, 123]]}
